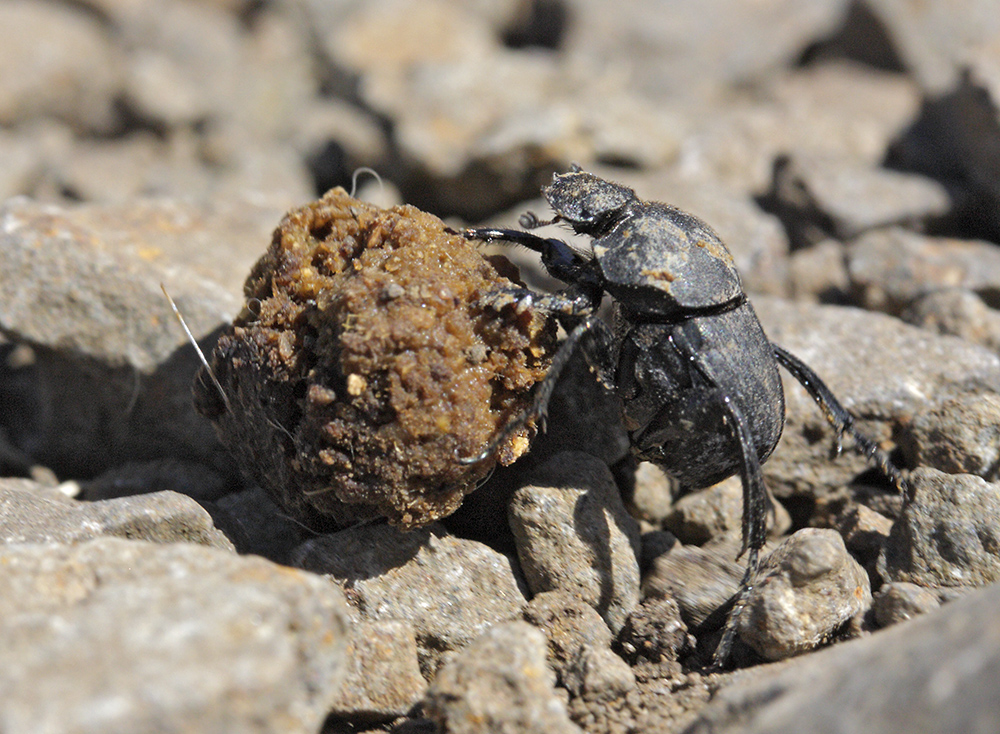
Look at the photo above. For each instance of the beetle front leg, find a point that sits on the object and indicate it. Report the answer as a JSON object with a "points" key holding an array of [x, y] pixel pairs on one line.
{"points": [[560, 260], [567, 303], [838, 416]]}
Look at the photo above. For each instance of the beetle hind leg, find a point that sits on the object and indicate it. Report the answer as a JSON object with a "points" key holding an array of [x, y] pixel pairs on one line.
{"points": [[838, 416]]}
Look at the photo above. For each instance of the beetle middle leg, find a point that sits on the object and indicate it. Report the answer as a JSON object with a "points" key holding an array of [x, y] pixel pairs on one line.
{"points": [[755, 498], [755, 511], [597, 339]]}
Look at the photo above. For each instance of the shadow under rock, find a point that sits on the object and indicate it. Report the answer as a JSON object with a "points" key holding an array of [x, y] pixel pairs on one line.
{"points": [[82, 416]]}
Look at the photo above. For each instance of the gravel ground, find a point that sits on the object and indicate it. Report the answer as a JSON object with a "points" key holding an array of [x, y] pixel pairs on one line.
{"points": [[848, 153]]}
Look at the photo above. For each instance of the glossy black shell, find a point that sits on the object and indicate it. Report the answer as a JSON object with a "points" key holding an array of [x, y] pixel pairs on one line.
{"points": [[674, 417], [652, 256]]}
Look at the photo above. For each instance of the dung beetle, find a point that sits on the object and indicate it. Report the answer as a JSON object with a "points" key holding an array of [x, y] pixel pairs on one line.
{"points": [[697, 377]]}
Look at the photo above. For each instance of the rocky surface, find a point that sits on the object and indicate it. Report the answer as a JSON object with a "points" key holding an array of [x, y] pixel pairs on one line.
{"points": [[383, 679], [947, 535], [846, 151], [808, 587], [30, 514], [451, 589], [885, 372], [927, 675], [124, 635], [579, 646], [573, 534], [898, 601], [500, 682], [698, 579]]}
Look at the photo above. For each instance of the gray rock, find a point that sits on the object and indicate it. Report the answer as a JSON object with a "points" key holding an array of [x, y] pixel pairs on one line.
{"points": [[933, 674], [72, 286], [194, 62], [158, 87], [655, 632], [216, 240], [716, 512], [450, 589], [700, 579], [479, 127], [957, 436], [573, 533], [882, 370], [819, 273], [28, 516], [499, 683], [50, 79], [948, 534], [350, 32], [819, 196], [113, 171], [807, 588], [111, 375], [697, 50], [651, 499], [383, 678], [890, 268], [603, 676], [934, 41], [835, 110], [958, 312], [20, 164], [579, 646], [113, 635], [865, 531], [209, 99], [444, 53], [899, 601], [569, 625], [146, 166]]}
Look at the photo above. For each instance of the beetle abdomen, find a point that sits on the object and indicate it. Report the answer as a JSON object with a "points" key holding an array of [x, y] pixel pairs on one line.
{"points": [[673, 380]]}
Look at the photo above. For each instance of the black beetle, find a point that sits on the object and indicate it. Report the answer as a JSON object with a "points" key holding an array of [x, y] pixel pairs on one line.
{"points": [[697, 376]]}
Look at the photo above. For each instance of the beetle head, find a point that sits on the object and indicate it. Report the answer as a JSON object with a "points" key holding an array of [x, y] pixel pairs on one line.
{"points": [[589, 204]]}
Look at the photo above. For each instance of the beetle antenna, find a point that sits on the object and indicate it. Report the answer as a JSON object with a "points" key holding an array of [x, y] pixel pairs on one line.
{"points": [[194, 343], [530, 220]]}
